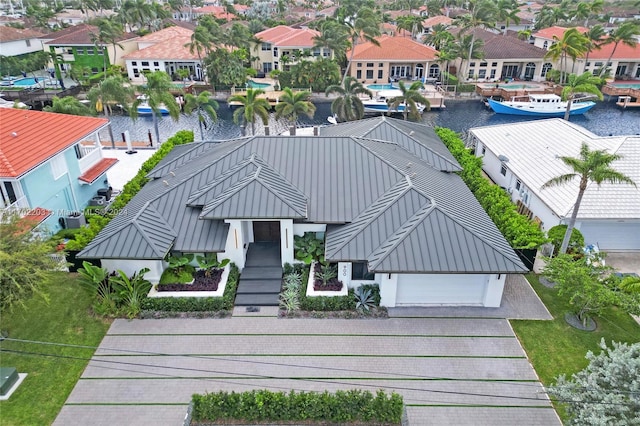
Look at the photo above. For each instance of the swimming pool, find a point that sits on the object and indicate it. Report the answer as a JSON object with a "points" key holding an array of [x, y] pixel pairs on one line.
{"points": [[381, 87], [28, 81], [515, 86], [626, 85], [256, 85]]}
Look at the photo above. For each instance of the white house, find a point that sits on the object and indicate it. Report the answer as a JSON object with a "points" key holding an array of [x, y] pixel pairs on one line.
{"points": [[14, 41], [521, 157]]}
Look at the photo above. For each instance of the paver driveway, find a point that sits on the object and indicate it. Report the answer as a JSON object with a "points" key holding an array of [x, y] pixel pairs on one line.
{"points": [[452, 371]]}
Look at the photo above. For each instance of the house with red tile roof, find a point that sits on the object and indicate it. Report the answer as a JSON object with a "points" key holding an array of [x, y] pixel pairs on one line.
{"points": [[218, 12], [283, 46], [14, 41], [396, 58], [51, 165], [624, 64]]}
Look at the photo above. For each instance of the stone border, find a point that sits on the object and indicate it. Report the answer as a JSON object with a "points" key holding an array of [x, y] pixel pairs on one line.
{"points": [[218, 293], [313, 293]]}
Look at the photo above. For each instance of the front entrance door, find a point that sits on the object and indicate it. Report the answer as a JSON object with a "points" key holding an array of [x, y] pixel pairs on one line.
{"points": [[266, 231]]}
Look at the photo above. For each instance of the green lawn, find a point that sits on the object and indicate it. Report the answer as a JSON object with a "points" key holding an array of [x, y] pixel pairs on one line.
{"points": [[65, 319], [554, 347]]}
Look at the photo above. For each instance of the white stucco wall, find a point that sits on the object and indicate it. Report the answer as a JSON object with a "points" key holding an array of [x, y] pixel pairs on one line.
{"points": [[286, 240], [300, 228], [130, 266], [20, 47], [237, 239], [388, 289], [494, 289]]}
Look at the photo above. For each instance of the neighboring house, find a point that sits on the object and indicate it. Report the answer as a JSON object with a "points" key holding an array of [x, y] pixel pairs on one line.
{"points": [[429, 23], [50, 164], [77, 17], [625, 62], [283, 46], [78, 46], [522, 157], [165, 50], [506, 57], [382, 192], [218, 12], [16, 42], [396, 58]]}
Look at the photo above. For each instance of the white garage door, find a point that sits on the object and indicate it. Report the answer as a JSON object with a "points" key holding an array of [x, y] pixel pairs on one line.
{"points": [[612, 235], [441, 289]]}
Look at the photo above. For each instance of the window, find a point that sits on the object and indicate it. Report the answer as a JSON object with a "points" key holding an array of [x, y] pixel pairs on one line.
{"points": [[94, 70], [599, 64], [79, 51], [369, 74], [546, 68], [156, 64], [359, 271], [69, 51], [326, 53], [493, 74], [482, 73], [471, 72], [484, 150], [275, 52], [369, 64], [145, 63], [494, 64], [136, 72], [266, 67], [545, 44], [359, 74], [316, 51], [518, 184], [134, 63], [266, 46], [359, 65], [380, 65], [379, 73], [100, 50], [483, 64], [503, 170], [58, 166], [588, 64], [90, 51], [28, 43], [472, 64]]}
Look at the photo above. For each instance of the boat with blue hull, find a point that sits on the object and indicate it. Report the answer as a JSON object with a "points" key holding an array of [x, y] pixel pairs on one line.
{"points": [[378, 104], [539, 105]]}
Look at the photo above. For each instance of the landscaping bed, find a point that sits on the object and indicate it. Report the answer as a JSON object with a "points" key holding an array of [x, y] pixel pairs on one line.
{"points": [[203, 281]]}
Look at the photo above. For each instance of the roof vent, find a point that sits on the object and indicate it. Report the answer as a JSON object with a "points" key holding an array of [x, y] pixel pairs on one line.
{"points": [[14, 134], [172, 173], [411, 133], [409, 164], [166, 183], [503, 158]]}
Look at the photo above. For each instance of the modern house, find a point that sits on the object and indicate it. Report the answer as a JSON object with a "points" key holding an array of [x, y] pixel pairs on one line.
{"points": [[282, 46], [396, 58], [383, 193], [522, 157], [78, 46], [16, 42], [51, 164], [163, 50]]}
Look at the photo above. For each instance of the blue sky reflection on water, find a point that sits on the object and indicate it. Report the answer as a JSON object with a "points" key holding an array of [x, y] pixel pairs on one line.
{"points": [[604, 119]]}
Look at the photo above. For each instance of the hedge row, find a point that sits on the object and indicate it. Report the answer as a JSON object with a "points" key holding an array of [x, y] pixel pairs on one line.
{"points": [[262, 405], [519, 231], [97, 223], [197, 304]]}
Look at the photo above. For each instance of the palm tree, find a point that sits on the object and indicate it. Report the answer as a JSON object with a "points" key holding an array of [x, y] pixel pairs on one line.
{"points": [[411, 24], [482, 14], [584, 83], [202, 104], [410, 98], [438, 37], [572, 44], [251, 107], [625, 34], [200, 42], [112, 90], [291, 104], [156, 93], [507, 12], [446, 54], [365, 24], [68, 105], [109, 32], [348, 106], [595, 38], [332, 36], [590, 166]]}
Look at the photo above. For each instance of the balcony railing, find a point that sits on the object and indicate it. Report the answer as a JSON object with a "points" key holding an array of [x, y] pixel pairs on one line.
{"points": [[21, 205], [90, 156]]}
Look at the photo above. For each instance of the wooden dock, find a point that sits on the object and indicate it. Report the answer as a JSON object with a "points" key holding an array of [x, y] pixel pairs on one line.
{"points": [[627, 102], [272, 96]]}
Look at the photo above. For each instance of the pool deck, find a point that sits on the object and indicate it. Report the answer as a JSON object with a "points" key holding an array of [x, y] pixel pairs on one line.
{"points": [[493, 90]]}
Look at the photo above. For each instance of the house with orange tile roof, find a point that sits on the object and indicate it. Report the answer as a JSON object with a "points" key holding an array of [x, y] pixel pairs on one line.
{"points": [[51, 166], [396, 58], [283, 46], [218, 12], [163, 50], [624, 64]]}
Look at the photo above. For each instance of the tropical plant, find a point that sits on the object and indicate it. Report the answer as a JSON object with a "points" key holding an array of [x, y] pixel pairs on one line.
{"points": [[225, 68], [595, 39], [364, 299], [308, 248], [210, 261], [157, 93], [438, 37], [180, 264], [579, 84], [291, 104], [333, 36], [251, 107], [589, 166], [131, 291], [482, 14], [410, 98], [68, 105], [362, 25], [507, 12], [201, 42], [630, 284], [97, 281], [327, 273], [290, 296], [572, 44], [348, 106], [626, 34], [203, 104], [112, 90], [109, 32], [556, 235]]}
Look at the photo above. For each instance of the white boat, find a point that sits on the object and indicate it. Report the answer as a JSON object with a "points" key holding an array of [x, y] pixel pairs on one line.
{"points": [[145, 109], [539, 105], [379, 103]]}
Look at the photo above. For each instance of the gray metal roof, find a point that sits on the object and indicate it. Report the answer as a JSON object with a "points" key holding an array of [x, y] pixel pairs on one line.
{"points": [[391, 207], [417, 138]]}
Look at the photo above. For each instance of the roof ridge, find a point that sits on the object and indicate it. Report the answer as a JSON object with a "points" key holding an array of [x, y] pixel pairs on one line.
{"points": [[5, 161], [227, 193], [143, 232], [195, 195], [258, 160]]}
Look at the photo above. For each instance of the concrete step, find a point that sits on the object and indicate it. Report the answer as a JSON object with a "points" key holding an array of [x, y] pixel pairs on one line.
{"points": [[259, 286], [266, 299], [267, 272], [262, 262]]}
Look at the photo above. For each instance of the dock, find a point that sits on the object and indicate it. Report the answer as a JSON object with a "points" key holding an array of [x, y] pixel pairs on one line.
{"points": [[627, 102], [272, 96]]}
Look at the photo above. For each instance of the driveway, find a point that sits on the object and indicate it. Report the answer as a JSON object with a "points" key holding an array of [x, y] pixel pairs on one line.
{"points": [[457, 371]]}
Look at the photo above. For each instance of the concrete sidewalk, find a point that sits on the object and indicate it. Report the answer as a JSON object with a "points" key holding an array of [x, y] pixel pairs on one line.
{"points": [[453, 371]]}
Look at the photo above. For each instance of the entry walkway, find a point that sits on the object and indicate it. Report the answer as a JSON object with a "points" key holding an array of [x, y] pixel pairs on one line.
{"points": [[450, 371]]}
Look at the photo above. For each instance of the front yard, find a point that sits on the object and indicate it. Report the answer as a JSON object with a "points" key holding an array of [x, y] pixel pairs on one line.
{"points": [[554, 347], [52, 370]]}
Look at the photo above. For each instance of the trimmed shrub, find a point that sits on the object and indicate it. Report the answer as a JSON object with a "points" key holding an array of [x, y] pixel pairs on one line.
{"points": [[556, 235], [98, 222], [518, 230], [344, 407]]}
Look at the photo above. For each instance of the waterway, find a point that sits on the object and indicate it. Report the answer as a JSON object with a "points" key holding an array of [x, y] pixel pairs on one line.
{"points": [[605, 119]]}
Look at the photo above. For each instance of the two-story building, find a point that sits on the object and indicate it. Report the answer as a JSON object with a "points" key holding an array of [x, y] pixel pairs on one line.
{"points": [[282, 46], [51, 165], [16, 42]]}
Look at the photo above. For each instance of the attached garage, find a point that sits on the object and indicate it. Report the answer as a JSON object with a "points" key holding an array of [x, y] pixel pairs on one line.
{"points": [[441, 289], [614, 236]]}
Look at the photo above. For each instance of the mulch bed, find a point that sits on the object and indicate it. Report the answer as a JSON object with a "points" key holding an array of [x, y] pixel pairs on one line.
{"points": [[574, 322], [201, 282], [283, 422], [373, 313], [332, 285]]}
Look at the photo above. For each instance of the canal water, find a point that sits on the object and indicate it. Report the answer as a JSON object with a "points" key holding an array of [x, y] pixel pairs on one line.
{"points": [[605, 119]]}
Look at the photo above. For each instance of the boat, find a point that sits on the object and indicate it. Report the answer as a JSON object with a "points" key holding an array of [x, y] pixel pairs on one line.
{"points": [[144, 108], [379, 103], [539, 105]]}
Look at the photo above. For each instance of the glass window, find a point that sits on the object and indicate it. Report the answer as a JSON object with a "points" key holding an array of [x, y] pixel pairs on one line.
{"points": [[28, 43], [100, 50], [482, 73], [471, 73], [379, 73], [156, 64], [58, 166], [359, 271], [266, 66], [472, 64], [369, 64], [134, 64], [483, 64], [546, 68], [380, 65], [316, 51], [79, 51], [518, 184], [494, 64], [266, 46], [359, 65], [503, 170], [89, 50], [145, 63], [359, 74], [369, 74], [493, 74]]}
